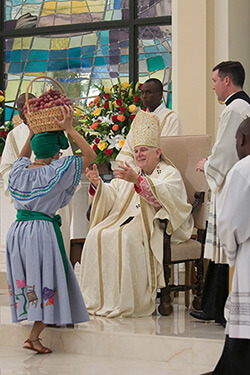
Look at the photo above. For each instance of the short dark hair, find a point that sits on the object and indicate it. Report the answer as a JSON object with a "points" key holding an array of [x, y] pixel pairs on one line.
{"points": [[233, 69], [157, 82]]}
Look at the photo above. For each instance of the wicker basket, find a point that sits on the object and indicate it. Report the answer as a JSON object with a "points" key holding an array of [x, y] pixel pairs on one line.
{"points": [[42, 120]]}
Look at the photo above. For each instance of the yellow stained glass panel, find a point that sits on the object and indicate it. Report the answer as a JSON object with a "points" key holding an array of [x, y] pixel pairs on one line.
{"points": [[60, 43], [79, 7], [48, 8], [22, 43], [75, 41], [41, 43], [89, 40], [64, 7], [96, 6]]}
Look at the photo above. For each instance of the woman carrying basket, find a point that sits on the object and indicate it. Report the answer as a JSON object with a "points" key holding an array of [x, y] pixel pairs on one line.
{"points": [[42, 284]]}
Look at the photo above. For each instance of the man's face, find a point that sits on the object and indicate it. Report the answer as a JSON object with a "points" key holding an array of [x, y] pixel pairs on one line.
{"points": [[151, 97], [219, 86], [147, 158]]}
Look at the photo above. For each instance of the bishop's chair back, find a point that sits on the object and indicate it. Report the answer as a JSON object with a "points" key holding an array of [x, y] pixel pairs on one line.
{"points": [[184, 152]]}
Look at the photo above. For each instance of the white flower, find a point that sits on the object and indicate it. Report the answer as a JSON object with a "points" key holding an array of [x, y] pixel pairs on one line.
{"points": [[114, 141]]}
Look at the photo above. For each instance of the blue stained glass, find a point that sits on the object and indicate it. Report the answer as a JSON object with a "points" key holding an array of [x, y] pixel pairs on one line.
{"points": [[102, 68], [8, 13], [7, 56], [149, 55], [74, 63], [17, 2], [16, 67], [8, 113], [87, 62], [16, 55], [124, 44], [33, 1], [74, 52], [151, 49], [36, 66], [105, 50], [124, 59], [88, 49], [24, 54], [58, 54], [142, 56], [104, 37], [166, 59], [161, 48], [37, 54], [57, 65], [100, 61], [115, 52], [117, 4]]}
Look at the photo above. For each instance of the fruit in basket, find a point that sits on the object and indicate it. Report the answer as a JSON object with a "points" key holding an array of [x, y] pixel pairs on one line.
{"points": [[49, 99]]}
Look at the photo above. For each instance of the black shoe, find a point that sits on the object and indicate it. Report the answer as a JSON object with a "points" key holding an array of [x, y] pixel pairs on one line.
{"points": [[200, 315]]}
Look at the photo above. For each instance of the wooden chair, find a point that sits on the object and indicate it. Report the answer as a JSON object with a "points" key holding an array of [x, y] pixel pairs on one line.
{"points": [[184, 152]]}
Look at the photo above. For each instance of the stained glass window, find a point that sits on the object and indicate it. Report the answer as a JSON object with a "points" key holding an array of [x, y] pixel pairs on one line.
{"points": [[80, 58], [62, 12], [155, 51], [154, 8]]}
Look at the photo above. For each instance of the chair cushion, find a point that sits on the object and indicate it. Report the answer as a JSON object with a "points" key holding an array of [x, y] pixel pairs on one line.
{"points": [[188, 250]]}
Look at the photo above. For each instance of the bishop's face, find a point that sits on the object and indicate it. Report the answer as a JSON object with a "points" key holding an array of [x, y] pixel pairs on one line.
{"points": [[147, 158]]}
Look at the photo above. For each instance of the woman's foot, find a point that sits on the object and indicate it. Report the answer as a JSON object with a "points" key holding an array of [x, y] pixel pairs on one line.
{"points": [[36, 346]]}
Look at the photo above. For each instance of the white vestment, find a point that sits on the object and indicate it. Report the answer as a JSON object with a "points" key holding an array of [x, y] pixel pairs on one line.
{"points": [[233, 208], [121, 265], [169, 124], [221, 160], [13, 146]]}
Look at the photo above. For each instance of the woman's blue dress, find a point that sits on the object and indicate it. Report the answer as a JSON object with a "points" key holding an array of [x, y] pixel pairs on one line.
{"points": [[38, 287]]}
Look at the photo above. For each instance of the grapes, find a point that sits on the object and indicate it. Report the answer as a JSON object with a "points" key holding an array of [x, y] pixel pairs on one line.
{"points": [[49, 99]]}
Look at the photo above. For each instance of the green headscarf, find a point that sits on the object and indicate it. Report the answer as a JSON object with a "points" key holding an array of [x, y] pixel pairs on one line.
{"points": [[47, 144]]}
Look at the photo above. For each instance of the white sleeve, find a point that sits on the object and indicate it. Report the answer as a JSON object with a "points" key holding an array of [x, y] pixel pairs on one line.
{"points": [[233, 207]]}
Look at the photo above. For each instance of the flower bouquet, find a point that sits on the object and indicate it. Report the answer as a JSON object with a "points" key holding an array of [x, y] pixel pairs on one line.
{"points": [[105, 121]]}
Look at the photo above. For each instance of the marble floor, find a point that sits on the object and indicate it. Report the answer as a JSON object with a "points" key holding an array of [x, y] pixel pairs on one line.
{"points": [[172, 345]]}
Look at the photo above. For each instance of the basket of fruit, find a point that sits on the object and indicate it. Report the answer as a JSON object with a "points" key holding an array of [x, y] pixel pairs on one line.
{"points": [[40, 112]]}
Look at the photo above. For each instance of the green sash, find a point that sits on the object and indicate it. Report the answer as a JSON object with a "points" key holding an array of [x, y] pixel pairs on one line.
{"points": [[24, 215]]}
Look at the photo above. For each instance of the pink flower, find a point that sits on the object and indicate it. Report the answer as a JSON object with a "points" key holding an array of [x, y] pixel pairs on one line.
{"points": [[21, 283]]}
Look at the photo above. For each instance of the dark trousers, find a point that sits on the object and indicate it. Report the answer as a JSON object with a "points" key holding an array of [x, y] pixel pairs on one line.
{"points": [[235, 358], [215, 291]]}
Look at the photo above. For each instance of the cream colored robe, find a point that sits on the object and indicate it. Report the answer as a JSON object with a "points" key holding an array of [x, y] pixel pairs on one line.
{"points": [[233, 204], [121, 265], [221, 160], [13, 146], [170, 125]]}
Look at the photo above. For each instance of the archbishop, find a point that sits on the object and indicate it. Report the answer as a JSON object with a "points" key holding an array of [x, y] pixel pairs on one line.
{"points": [[122, 258]]}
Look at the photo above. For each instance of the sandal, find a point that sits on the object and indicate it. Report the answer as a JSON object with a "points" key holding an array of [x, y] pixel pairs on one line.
{"points": [[43, 349]]}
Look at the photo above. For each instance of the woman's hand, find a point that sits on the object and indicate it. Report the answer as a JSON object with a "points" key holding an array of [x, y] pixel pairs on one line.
{"points": [[67, 121], [93, 175], [125, 172]]}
